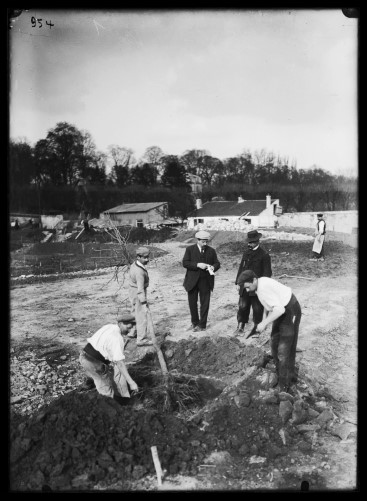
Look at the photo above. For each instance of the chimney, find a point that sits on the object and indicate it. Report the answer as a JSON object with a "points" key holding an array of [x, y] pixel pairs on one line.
{"points": [[240, 199], [268, 200], [198, 203]]}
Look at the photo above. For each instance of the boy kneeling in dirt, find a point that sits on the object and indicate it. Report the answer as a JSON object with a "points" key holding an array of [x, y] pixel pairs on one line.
{"points": [[283, 309], [103, 359]]}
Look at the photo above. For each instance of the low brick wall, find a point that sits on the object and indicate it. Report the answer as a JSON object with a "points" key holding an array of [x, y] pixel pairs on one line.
{"points": [[345, 222]]}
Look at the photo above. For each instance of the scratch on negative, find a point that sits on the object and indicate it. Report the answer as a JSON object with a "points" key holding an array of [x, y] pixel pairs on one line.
{"points": [[96, 25]]}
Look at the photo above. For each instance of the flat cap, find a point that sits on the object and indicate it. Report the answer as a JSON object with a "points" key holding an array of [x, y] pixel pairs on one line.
{"points": [[142, 251], [126, 316], [319, 214], [202, 235], [246, 276]]}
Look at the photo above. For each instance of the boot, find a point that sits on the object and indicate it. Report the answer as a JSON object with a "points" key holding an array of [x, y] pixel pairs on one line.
{"points": [[252, 332], [240, 328]]}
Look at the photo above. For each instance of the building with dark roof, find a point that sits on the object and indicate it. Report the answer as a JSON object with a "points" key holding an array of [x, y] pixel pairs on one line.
{"points": [[138, 214], [235, 215]]}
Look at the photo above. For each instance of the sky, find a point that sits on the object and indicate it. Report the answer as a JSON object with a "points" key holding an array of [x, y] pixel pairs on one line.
{"points": [[224, 81]]}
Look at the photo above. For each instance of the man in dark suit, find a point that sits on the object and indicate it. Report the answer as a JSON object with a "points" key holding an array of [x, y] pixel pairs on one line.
{"points": [[201, 263], [254, 258]]}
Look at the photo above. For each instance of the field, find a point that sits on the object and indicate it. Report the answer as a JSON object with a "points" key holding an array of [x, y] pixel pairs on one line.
{"points": [[32, 259], [235, 436]]}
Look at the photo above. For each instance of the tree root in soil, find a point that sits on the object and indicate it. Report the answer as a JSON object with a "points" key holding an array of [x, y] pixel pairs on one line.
{"points": [[169, 392]]}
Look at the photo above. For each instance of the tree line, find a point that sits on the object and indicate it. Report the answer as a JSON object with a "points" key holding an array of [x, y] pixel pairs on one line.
{"points": [[65, 172]]}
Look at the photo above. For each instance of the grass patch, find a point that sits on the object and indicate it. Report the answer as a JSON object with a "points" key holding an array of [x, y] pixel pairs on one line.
{"points": [[61, 257]]}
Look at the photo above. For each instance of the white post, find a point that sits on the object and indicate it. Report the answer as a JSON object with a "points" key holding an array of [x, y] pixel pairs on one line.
{"points": [[157, 464]]}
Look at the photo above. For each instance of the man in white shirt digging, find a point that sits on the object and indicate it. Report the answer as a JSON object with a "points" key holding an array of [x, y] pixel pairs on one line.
{"points": [[103, 359], [284, 311]]}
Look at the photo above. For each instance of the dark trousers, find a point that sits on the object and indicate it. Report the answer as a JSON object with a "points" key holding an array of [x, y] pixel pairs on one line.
{"points": [[201, 291], [283, 342], [244, 305]]}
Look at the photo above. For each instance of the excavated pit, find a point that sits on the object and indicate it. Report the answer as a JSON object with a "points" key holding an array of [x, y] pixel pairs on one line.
{"points": [[180, 393], [83, 441]]}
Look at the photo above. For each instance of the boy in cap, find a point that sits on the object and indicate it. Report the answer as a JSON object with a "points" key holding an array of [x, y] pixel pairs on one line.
{"points": [[318, 246], [138, 284], [257, 259], [283, 309], [201, 263], [105, 350]]}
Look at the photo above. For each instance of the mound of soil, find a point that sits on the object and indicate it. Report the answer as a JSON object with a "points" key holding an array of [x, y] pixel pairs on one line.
{"points": [[247, 436], [221, 358]]}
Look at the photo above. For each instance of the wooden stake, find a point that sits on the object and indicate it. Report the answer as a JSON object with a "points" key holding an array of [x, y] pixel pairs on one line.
{"points": [[157, 464], [293, 276], [78, 235]]}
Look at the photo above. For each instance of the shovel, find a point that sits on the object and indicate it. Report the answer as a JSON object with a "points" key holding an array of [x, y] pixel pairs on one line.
{"points": [[177, 392], [157, 348]]}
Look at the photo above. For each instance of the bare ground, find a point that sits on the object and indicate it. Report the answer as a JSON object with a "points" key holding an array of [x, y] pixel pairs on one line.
{"points": [[47, 316]]}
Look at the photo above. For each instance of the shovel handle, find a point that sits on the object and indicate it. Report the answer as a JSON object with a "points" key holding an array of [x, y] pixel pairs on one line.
{"points": [[161, 359]]}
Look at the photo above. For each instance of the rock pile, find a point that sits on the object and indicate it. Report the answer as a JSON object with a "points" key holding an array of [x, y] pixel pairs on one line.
{"points": [[34, 382]]}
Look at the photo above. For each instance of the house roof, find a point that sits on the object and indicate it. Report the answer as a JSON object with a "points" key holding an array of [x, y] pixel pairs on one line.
{"points": [[223, 209], [142, 207]]}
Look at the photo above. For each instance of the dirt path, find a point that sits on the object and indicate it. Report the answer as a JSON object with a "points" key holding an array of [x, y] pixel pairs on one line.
{"points": [[70, 310]]}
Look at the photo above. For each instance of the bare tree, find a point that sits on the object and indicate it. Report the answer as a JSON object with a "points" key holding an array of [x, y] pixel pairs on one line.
{"points": [[209, 168], [191, 160], [123, 266], [260, 157], [152, 155], [121, 155]]}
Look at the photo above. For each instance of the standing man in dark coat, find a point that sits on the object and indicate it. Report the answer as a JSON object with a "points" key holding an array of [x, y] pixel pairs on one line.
{"points": [[201, 263], [254, 258]]}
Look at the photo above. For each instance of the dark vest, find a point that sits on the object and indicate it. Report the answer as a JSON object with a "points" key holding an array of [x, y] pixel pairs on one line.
{"points": [[89, 350], [323, 233]]}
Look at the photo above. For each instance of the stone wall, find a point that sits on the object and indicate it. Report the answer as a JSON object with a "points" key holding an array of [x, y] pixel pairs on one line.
{"points": [[339, 221], [212, 223]]}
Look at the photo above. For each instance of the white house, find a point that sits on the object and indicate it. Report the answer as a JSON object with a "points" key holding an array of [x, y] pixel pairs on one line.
{"points": [[224, 215]]}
